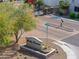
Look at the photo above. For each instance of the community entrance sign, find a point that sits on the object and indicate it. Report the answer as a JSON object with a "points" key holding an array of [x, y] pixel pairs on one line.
{"points": [[36, 46], [34, 43]]}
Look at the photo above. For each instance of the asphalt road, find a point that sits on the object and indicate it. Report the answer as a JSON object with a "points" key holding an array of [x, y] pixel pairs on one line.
{"points": [[67, 22]]}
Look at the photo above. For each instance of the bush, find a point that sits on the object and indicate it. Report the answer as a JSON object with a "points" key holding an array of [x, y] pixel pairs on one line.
{"points": [[72, 15], [77, 15], [5, 41]]}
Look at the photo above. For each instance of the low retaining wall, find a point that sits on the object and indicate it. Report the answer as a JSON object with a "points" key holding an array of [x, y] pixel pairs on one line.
{"points": [[37, 53]]}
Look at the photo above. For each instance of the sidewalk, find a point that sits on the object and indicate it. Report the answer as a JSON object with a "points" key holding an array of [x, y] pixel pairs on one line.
{"points": [[70, 53]]}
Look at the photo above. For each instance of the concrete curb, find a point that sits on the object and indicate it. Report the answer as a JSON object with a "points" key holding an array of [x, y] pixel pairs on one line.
{"points": [[38, 53], [69, 52]]}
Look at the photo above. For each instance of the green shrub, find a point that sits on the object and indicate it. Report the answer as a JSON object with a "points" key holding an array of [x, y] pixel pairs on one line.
{"points": [[72, 15], [77, 15], [5, 41]]}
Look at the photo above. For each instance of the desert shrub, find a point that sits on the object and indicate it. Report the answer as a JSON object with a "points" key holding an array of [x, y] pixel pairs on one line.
{"points": [[77, 15], [72, 15], [5, 41]]}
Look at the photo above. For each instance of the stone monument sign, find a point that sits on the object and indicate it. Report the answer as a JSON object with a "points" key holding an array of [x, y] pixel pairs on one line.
{"points": [[34, 43], [37, 47]]}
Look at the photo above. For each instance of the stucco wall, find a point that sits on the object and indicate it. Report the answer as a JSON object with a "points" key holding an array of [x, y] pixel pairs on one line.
{"points": [[54, 3], [51, 3], [73, 3], [76, 2]]}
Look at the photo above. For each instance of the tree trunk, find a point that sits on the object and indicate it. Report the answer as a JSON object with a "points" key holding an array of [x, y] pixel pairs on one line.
{"points": [[18, 35]]}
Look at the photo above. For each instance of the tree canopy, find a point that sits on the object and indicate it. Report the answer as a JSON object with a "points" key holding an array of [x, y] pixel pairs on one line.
{"points": [[23, 21], [5, 29], [14, 20]]}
